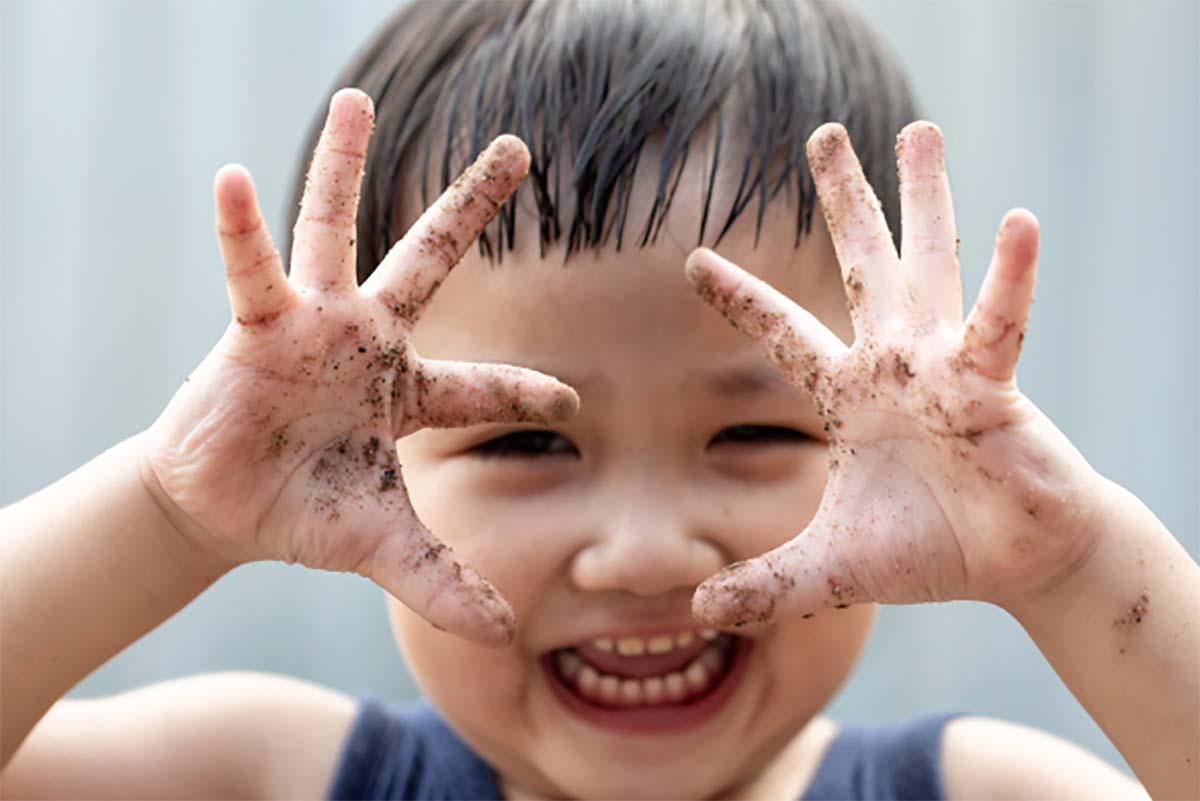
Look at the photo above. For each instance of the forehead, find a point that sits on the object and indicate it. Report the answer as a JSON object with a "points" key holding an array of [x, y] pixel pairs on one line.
{"points": [[612, 312]]}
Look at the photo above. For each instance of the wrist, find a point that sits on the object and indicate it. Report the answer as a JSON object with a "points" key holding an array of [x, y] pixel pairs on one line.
{"points": [[177, 524], [1122, 634], [1118, 529]]}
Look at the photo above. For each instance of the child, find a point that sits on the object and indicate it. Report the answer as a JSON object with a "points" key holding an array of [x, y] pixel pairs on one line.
{"points": [[683, 541]]}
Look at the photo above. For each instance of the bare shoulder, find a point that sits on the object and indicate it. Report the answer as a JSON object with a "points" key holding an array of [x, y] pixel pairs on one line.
{"points": [[986, 758], [213, 735], [791, 772]]}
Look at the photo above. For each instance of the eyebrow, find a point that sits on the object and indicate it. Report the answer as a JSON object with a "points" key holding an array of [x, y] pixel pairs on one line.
{"points": [[741, 380], [729, 382]]}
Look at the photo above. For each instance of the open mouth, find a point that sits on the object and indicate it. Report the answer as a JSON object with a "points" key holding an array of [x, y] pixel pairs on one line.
{"points": [[648, 693]]}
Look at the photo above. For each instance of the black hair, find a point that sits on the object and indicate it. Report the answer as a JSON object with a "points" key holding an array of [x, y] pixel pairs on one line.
{"points": [[587, 83]]}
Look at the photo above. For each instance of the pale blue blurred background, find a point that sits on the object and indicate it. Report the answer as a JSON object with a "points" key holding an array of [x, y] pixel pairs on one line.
{"points": [[115, 115]]}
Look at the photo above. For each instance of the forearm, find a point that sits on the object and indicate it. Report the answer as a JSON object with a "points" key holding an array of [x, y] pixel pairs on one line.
{"points": [[1122, 634], [87, 566]]}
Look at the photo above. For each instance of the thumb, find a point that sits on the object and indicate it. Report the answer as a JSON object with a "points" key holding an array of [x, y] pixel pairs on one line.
{"points": [[452, 394], [424, 574], [805, 575]]}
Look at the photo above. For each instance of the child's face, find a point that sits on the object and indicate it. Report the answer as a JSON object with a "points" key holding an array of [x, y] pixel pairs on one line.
{"points": [[606, 525]]}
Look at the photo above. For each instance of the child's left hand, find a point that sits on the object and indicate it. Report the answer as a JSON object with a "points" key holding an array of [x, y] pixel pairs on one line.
{"points": [[945, 482]]}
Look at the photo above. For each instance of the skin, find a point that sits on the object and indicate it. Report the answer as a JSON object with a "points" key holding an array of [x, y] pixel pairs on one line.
{"points": [[947, 482], [641, 507], [313, 371], [281, 443], [939, 480], [944, 482]]}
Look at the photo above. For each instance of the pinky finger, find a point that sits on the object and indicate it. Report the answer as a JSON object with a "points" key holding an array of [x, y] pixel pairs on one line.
{"points": [[995, 328], [258, 289]]}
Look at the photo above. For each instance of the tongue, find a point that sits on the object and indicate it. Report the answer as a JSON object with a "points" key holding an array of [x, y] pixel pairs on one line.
{"points": [[640, 667]]}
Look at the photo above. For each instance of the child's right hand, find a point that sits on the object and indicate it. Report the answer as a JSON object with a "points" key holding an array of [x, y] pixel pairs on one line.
{"points": [[280, 445]]}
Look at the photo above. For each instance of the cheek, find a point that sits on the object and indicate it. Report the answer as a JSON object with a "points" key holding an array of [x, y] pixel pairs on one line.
{"points": [[810, 659], [446, 667], [768, 513], [517, 543], [521, 541]]}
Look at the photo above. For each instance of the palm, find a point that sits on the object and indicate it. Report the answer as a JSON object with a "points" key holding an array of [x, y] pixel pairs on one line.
{"points": [[945, 482], [293, 432], [281, 444]]}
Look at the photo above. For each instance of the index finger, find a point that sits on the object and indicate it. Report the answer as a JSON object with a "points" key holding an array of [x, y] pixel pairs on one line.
{"points": [[416, 265], [796, 341]]}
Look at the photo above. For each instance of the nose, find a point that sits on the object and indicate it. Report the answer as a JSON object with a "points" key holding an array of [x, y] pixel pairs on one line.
{"points": [[647, 542]]}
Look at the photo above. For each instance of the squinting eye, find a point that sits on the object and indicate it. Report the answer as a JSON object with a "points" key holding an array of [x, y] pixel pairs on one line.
{"points": [[755, 435], [526, 444]]}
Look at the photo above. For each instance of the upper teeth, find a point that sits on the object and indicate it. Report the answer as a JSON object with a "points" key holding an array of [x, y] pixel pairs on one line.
{"points": [[636, 646], [675, 686]]}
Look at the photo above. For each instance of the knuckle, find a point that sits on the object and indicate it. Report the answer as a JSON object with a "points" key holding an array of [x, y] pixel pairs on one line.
{"points": [[242, 233], [337, 215], [262, 262]]}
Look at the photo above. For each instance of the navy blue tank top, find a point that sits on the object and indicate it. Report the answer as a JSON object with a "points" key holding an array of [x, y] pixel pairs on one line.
{"points": [[407, 751]]}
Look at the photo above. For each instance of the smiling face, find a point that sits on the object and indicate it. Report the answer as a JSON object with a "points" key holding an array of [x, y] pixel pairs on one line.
{"points": [[689, 452]]}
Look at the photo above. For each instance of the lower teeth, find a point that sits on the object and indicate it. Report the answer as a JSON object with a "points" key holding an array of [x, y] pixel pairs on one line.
{"points": [[675, 687]]}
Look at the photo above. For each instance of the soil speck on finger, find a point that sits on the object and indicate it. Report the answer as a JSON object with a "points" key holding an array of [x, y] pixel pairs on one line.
{"points": [[387, 480], [279, 441], [961, 363], [444, 246], [370, 450], [709, 289], [408, 307], [822, 155], [854, 288], [743, 605], [998, 329], [841, 595], [902, 370]]}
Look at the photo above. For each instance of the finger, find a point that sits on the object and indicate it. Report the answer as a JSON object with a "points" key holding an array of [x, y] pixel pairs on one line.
{"points": [[804, 576], [452, 394], [856, 223], [258, 289], [928, 247], [323, 250], [995, 328], [416, 265], [796, 341], [421, 572]]}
